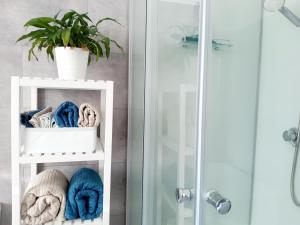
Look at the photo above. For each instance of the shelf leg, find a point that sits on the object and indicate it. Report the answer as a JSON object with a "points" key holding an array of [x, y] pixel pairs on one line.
{"points": [[15, 149], [107, 109], [16, 200], [33, 106]]}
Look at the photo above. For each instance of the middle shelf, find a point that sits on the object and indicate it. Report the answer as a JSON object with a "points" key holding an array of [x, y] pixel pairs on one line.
{"points": [[98, 154], [97, 221]]}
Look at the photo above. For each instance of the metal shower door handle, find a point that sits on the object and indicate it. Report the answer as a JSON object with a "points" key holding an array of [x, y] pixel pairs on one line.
{"points": [[184, 195], [291, 136], [221, 204]]}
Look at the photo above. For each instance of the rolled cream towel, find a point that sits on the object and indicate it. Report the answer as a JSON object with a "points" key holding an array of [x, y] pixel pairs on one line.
{"points": [[35, 120], [45, 198], [88, 116]]}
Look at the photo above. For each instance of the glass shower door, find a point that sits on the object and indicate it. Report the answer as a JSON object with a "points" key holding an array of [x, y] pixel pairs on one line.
{"points": [[231, 85], [170, 112]]}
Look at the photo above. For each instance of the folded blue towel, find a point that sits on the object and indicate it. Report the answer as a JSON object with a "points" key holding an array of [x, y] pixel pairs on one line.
{"points": [[66, 115], [26, 116], [84, 196]]}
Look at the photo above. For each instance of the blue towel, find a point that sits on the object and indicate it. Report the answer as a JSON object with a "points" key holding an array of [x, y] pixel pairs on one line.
{"points": [[66, 115], [85, 195], [26, 116]]}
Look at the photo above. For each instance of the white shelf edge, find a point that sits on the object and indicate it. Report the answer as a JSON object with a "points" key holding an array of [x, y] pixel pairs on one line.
{"points": [[97, 221], [52, 83], [62, 157]]}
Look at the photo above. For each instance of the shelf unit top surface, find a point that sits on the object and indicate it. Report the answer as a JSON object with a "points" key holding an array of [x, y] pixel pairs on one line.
{"points": [[55, 83]]}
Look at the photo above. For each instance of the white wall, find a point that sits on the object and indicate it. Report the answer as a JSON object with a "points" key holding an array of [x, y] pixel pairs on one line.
{"points": [[279, 109]]}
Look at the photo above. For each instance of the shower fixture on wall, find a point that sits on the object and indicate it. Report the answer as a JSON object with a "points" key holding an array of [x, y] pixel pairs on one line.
{"points": [[279, 5], [292, 136]]}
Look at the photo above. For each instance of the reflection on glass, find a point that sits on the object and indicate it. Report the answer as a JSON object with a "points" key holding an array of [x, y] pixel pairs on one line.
{"points": [[172, 113]]}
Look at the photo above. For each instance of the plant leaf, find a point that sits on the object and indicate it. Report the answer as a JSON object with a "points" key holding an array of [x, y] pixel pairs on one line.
{"points": [[65, 35], [49, 51], [32, 34], [107, 18], [84, 15], [117, 44], [82, 21], [68, 15], [40, 22], [93, 30], [56, 15], [95, 48], [31, 50], [106, 43], [89, 59]]}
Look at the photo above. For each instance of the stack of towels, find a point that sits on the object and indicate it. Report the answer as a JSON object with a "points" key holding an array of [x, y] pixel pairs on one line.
{"points": [[50, 197], [67, 114]]}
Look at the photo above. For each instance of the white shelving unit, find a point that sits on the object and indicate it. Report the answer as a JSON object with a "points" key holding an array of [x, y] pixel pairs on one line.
{"points": [[102, 153]]}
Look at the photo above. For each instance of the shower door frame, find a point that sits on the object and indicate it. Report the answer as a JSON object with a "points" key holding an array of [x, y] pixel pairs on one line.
{"points": [[203, 55], [199, 207], [203, 47]]}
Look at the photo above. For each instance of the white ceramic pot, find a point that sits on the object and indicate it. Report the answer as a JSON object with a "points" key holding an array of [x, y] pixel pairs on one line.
{"points": [[71, 62]]}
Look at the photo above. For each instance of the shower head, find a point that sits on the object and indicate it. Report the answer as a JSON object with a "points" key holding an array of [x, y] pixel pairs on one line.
{"points": [[273, 5], [278, 5]]}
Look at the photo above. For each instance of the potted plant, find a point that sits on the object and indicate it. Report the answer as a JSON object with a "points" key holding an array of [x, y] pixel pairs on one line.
{"points": [[73, 39]]}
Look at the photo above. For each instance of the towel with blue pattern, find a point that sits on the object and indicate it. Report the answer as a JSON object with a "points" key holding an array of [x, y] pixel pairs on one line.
{"points": [[26, 116], [66, 115], [84, 196]]}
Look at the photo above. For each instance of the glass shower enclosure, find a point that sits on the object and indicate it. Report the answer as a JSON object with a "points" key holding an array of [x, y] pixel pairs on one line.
{"points": [[206, 91]]}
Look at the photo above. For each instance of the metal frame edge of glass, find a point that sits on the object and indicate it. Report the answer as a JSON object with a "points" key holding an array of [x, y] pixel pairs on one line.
{"points": [[199, 209]]}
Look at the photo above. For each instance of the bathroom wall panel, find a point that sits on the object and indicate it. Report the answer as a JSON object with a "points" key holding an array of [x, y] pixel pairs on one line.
{"points": [[16, 12], [117, 9], [279, 109]]}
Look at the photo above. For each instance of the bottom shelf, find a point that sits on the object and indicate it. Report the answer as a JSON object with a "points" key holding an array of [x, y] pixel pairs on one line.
{"points": [[97, 221]]}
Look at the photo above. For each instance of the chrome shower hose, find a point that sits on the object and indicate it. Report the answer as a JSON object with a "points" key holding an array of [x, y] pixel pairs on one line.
{"points": [[294, 169]]}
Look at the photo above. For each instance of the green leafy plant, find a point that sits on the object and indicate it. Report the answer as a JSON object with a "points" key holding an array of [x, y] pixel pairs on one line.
{"points": [[71, 30]]}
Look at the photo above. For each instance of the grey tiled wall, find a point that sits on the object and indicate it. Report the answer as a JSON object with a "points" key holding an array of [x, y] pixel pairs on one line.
{"points": [[13, 61]]}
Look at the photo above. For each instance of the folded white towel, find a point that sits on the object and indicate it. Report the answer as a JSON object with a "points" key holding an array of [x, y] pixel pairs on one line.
{"points": [[46, 120], [42, 119], [45, 198]]}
